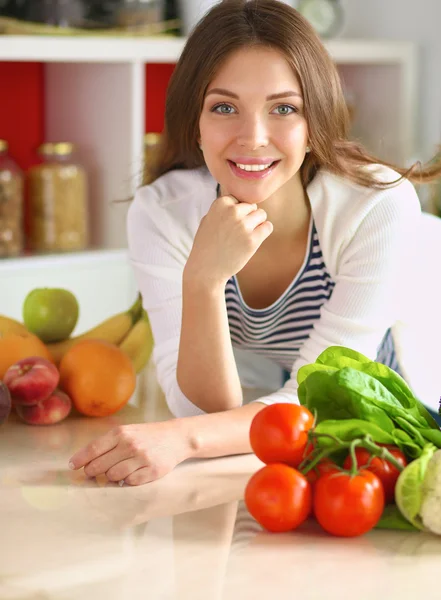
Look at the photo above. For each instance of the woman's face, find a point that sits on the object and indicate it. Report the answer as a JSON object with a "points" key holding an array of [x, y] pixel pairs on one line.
{"points": [[252, 118]]}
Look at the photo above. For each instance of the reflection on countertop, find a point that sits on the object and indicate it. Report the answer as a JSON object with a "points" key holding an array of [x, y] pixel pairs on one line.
{"points": [[186, 536]]}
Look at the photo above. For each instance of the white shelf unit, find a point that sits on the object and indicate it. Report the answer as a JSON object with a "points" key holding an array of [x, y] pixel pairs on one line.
{"points": [[95, 97]]}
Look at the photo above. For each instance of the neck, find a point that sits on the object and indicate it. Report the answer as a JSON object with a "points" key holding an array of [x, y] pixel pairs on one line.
{"points": [[289, 211]]}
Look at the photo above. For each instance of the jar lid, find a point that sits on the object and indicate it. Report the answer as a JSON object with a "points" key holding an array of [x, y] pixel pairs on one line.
{"points": [[58, 148], [150, 139], [3, 145]]}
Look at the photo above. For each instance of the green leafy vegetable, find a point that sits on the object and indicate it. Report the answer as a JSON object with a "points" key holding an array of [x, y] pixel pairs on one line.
{"points": [[306, 370], [406, 444], [344, 385], [349, 429], [332, 355], [393, 519], [335, 396]]}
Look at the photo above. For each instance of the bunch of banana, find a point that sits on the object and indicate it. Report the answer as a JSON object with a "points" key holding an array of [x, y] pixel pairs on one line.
{"points": [[138, 343], [114, 330]]}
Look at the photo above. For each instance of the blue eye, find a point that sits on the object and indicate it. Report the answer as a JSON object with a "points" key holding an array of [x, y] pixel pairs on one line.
{"points": [[285, 109], [220, 109]]}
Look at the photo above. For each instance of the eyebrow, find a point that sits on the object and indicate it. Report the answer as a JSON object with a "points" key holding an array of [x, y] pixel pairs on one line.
{"points": [[223, 92]]}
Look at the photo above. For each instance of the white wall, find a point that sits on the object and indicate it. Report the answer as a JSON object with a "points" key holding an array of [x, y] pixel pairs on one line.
{"points": [[419, 22]]}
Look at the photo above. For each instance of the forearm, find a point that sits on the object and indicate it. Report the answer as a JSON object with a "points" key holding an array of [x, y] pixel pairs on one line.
{"points": [[206, 370], [219, 434]]}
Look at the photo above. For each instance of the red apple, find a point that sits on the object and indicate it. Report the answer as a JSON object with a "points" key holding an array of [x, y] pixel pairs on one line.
{"points": [[31, 380], [47, 412]]}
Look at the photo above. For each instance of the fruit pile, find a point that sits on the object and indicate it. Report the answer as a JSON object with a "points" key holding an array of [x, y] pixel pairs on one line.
{"points": [[44, 370], [347, 496]]}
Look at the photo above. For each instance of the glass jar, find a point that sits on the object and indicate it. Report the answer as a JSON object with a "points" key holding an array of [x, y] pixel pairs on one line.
{"points": [[58, 210], [11, 205], [137, 13], [62, 13], [151, 146]]}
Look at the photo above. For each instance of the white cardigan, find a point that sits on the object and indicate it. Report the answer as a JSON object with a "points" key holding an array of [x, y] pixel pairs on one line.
{"points": [[371, 244]]}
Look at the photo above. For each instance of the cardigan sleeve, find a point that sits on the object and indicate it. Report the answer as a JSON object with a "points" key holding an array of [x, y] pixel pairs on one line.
{"points": [[373, 272], [159, 246]]}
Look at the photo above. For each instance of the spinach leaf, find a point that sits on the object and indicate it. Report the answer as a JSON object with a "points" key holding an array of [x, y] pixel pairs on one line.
{"points": [[393, 519], [390, 379], [432, 435], [406, 444], [398, 387], [340, 357], [334, 356], [328, 394], [414, 432], [301, 393], [364, 387], [350, 429], [306, 370], [426, 415]]}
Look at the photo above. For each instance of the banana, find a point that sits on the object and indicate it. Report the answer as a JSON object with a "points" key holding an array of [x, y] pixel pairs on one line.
{"points": [[138, 343], [113, 330], [8, 325]]}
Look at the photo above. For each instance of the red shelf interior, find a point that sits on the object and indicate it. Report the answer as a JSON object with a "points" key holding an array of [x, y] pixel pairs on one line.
{"points": [[22, 109], [157, 78], [22, 105]]}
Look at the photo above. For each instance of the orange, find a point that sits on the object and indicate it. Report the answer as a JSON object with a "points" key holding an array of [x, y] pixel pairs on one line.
{"points": [[98, 377], [15, 346]]}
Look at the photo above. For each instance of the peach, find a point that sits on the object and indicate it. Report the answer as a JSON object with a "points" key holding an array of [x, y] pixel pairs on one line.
{"points": [[47, 412], [31, 380], [5, 402]]}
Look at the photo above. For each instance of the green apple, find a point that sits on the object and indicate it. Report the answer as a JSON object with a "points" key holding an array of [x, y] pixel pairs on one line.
{"points": [[50, 313]]}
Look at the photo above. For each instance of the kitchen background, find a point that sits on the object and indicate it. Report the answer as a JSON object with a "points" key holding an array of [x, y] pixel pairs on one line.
{"points": [[94, 74]]}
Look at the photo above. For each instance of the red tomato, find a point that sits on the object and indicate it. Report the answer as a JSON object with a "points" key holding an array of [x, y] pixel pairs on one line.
{"points": [[279, 433], [386, 473], [348, 505], [324, 466], [278, 497]]}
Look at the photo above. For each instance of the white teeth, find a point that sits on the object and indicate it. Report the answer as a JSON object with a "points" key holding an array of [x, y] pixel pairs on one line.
{"points": [[253, 167]]}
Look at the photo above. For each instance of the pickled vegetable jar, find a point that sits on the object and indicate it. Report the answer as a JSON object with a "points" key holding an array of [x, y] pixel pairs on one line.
{"points": [[151, 147], [11, 204], [58, 205]]}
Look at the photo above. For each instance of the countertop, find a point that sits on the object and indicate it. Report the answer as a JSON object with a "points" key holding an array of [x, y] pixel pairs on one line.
{"points": [[187, 536]]}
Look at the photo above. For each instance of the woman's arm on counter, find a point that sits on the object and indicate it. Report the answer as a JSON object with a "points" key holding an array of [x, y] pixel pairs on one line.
{"points": [[140, 453]]}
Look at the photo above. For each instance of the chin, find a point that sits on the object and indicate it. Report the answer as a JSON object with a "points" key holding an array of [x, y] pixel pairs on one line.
{"points": [[252, 194]]}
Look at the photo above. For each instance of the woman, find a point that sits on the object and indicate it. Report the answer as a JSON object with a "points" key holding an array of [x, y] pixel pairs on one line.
{"points": [[266, 230]]}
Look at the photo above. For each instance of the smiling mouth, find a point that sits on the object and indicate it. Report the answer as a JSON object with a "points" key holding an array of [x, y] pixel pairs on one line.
{"points": [[254, 168]]}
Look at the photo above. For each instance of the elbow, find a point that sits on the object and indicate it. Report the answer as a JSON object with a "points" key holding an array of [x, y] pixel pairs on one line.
{"points": [[182, 405], [211, 402], [214, 405]]}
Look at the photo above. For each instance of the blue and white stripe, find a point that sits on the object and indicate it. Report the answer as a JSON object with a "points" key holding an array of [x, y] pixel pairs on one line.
{"points": [[278, 331]]}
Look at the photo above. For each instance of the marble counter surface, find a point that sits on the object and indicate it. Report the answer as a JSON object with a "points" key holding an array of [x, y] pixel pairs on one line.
{"points": [[186, 536]]}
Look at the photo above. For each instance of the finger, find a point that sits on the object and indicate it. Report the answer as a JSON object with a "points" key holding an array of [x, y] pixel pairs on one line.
{"points": [[262, 232], [243, 209], [143, 475], [93, 450], [255, 219], [228, 200], [119, 472], [239, 207], [100, 465]]}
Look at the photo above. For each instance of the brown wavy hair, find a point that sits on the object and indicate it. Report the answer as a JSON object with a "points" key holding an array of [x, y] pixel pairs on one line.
{"points": [[235, 24]]}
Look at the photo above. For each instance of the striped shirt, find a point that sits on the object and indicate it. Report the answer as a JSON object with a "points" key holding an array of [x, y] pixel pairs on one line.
{"points": [[278, 331]]}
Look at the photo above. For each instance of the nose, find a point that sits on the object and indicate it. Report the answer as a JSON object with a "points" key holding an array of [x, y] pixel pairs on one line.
{"points": [[252, 133]]}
